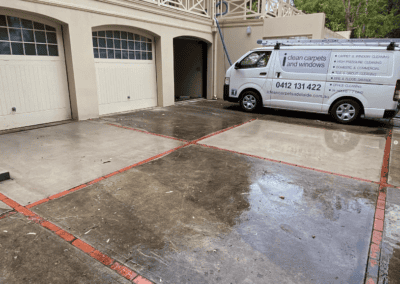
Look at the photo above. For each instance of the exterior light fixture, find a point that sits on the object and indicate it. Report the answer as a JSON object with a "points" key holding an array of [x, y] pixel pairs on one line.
{"points": [[248, 30]]}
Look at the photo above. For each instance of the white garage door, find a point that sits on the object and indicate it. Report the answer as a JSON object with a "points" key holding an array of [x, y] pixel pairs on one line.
{"points": [[126, 71], [33, 79]]}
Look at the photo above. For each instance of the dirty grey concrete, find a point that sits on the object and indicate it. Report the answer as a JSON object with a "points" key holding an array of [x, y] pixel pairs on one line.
{"points": [[46, 161], [394, 166], [183, 121], [31, 254], [194, 119], [4, 208], [335, 151], [389, 269], [201, 215]]}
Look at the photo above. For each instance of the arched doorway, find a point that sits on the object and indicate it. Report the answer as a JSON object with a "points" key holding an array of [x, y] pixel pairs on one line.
{"points": [[190, 68]]}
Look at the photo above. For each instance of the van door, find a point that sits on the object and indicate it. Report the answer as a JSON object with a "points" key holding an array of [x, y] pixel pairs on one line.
{"points": [[252, 72], [300, 79]]}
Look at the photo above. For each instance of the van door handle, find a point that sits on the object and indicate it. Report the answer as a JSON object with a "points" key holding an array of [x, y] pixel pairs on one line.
{"points": [[263, 73], [278, 74]]}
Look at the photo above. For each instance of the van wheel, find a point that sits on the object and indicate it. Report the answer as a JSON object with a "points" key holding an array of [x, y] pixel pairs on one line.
{"points": [[345, 111], [249, 101]]}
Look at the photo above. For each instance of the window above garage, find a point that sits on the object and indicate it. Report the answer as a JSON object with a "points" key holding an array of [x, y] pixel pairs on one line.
{"points": [[121, 45], [25, 37]]}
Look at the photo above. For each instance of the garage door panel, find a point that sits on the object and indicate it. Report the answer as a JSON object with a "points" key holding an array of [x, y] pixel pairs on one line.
{"points": [[33, 118], [33, 86], [33, 77], [118, 81], [126, 71]]}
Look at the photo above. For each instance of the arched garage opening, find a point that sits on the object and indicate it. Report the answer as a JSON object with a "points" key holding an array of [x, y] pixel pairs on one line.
{"points": [[33, 77], [190, 68], [125, 69]]}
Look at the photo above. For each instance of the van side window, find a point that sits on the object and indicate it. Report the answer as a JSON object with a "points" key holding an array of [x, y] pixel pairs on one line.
{"points": [[256, 59]]}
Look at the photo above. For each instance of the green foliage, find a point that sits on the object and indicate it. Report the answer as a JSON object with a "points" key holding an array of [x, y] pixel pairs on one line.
{"points": [[365, 18]]}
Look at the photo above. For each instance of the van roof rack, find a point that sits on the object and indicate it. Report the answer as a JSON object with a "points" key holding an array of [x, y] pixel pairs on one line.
{"points": [[390, 43]]}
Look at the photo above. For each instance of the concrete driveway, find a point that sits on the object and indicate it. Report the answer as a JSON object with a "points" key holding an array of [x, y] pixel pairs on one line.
{"points": [[201, 192]]}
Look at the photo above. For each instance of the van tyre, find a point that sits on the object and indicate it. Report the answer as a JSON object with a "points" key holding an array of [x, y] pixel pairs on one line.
{"points": [[345, 111], [250, 101]]}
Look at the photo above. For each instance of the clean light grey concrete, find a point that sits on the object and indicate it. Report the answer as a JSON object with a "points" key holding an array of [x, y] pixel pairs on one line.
{"points": [[46, 161], [340, 152]]}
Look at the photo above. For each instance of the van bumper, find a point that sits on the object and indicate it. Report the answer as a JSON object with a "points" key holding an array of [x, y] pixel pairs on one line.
{"points": [[227, 97]]}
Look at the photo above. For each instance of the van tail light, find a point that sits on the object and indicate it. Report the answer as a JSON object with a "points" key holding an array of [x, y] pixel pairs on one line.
{"points": [[396, 96]]}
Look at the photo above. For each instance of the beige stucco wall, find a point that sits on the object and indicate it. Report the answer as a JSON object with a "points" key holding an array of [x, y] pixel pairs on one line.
{"points": [[312, 25], [78, 17], [239, 42]]}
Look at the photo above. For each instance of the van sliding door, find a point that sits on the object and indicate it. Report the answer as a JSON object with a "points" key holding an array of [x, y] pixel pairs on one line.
{"points": [[299, 79]]}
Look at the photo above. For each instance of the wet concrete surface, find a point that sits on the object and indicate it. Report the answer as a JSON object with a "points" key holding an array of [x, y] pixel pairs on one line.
{"points": [[194, 119], [389, 270], [4, 208], [201, 215], [31, 254], [335, 151], [182, 121], [394, 166], [46, 161]]}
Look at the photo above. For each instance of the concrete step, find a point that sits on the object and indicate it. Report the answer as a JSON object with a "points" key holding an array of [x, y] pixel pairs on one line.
{"points": [[4, 175]]}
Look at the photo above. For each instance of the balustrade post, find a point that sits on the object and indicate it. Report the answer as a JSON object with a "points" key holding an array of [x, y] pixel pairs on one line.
{"points": [[280, 8], [263, 8]]}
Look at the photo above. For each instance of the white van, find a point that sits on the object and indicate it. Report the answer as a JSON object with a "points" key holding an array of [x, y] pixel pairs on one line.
{"points": [[344, 78]]}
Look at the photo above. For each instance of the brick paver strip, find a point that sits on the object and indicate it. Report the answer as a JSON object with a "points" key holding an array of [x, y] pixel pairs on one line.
{"points": [[37, 203], [65, 235], [124, 271], [50, 226], [11, 203], [58, 195], [372, 271], [141, 280], [102, 257], [25, 211], [83, 246]]}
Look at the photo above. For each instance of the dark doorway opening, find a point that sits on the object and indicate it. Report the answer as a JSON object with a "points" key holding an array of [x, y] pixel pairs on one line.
{"points": [[190, 68]]}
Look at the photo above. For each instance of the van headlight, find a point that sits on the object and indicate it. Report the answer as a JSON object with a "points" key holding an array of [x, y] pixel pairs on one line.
{"points": [[227, 80]]}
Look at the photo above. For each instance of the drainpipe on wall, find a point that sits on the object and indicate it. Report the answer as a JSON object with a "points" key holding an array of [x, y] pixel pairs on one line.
{"points": [[215, 45]]}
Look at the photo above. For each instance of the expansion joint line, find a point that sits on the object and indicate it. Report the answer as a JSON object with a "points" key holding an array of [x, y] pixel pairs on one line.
{"points": [[372, 269]]}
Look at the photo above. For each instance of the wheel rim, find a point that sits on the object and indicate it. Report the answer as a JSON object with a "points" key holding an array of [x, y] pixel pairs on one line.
{"points": [[346, 112], [249, 102]]}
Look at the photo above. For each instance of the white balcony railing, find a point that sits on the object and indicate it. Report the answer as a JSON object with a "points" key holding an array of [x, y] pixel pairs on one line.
{"points": [[198, 7], [232, 9], [253, 9]]}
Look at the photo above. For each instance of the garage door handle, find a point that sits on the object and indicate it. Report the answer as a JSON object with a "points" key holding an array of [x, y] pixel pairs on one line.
{"points": [[263, 73]]}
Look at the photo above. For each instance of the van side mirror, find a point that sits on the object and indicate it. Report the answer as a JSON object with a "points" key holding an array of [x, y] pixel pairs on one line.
{"points": [[237, 65]]}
